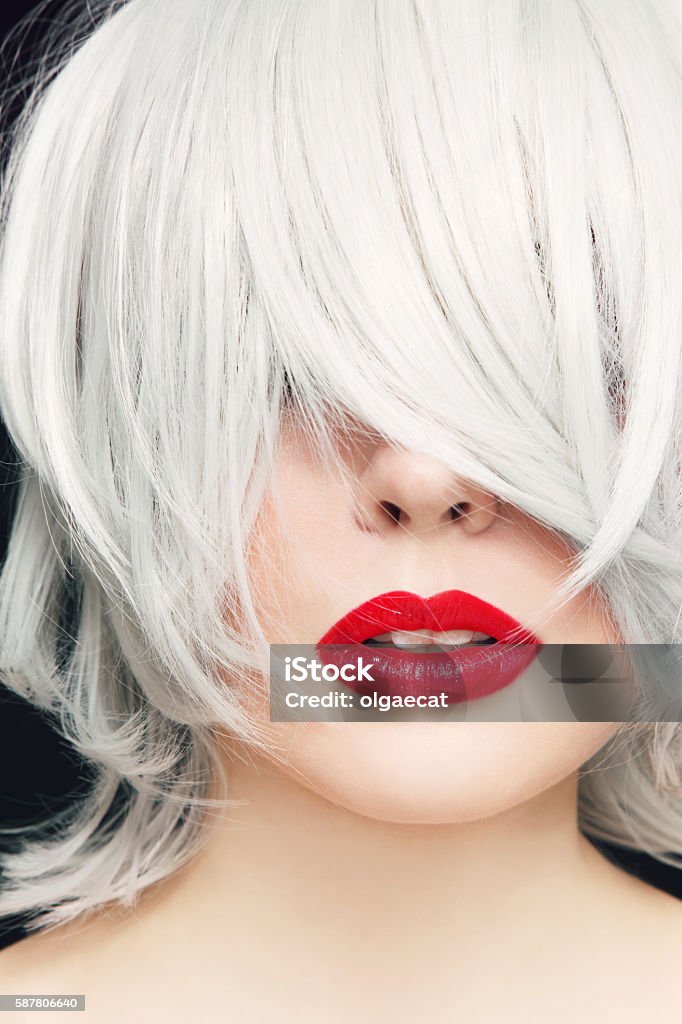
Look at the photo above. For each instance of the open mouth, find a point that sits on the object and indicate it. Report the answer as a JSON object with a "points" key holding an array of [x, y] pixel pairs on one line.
{"points": [[452, 643]]}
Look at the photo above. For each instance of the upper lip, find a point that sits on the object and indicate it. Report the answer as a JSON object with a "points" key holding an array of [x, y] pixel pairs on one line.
{"points": [[402, 610]]}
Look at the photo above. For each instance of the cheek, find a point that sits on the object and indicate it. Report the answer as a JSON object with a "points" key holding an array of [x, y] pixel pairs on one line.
{"points": [[303, 545], [435, 773]]}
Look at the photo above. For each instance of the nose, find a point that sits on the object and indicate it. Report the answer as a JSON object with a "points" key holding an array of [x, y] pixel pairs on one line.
{"points": [[406, 489]]}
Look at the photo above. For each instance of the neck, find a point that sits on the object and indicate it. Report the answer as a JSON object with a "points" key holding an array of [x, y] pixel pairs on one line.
{"points": [[290, 866]]}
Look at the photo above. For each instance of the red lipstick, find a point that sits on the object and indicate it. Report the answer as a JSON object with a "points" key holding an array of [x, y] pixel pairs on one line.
{"points": [[464, 673]]}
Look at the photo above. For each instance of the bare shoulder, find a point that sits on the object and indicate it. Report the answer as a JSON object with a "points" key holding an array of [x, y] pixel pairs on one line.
{"points": [[644, 927], [62, 952], [127, 966], [81, 957]]}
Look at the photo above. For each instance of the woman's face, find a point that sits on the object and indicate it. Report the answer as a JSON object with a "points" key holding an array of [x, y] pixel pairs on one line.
{"points": [[321, 549]]}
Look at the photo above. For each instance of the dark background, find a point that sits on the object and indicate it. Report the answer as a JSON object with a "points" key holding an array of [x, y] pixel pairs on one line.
{"points": [[38, 774]]}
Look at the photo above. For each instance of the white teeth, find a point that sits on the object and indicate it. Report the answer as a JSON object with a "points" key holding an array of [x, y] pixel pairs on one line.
{"points": [[454, 636], [448, 638], [404, 639]]}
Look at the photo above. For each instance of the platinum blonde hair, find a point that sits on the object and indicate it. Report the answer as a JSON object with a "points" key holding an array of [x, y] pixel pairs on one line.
{"points": [[459, 223]]}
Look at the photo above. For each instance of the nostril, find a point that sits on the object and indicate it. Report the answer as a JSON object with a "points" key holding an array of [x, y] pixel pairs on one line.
{"points": [[392, 511], [456, 511]]}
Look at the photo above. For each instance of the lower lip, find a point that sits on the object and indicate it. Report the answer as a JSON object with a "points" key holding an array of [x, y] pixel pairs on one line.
{"points": [[463, 675]]}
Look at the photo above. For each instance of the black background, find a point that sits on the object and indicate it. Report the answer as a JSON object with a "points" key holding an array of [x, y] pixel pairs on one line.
{"points": [[37, 773]]}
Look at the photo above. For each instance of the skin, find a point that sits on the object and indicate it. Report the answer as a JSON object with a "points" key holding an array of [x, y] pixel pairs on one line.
{"points": [[386, 872], [412, 772]]}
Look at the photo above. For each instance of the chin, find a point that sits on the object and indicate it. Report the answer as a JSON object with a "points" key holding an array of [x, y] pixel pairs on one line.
{"points": [[438, 773]]}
